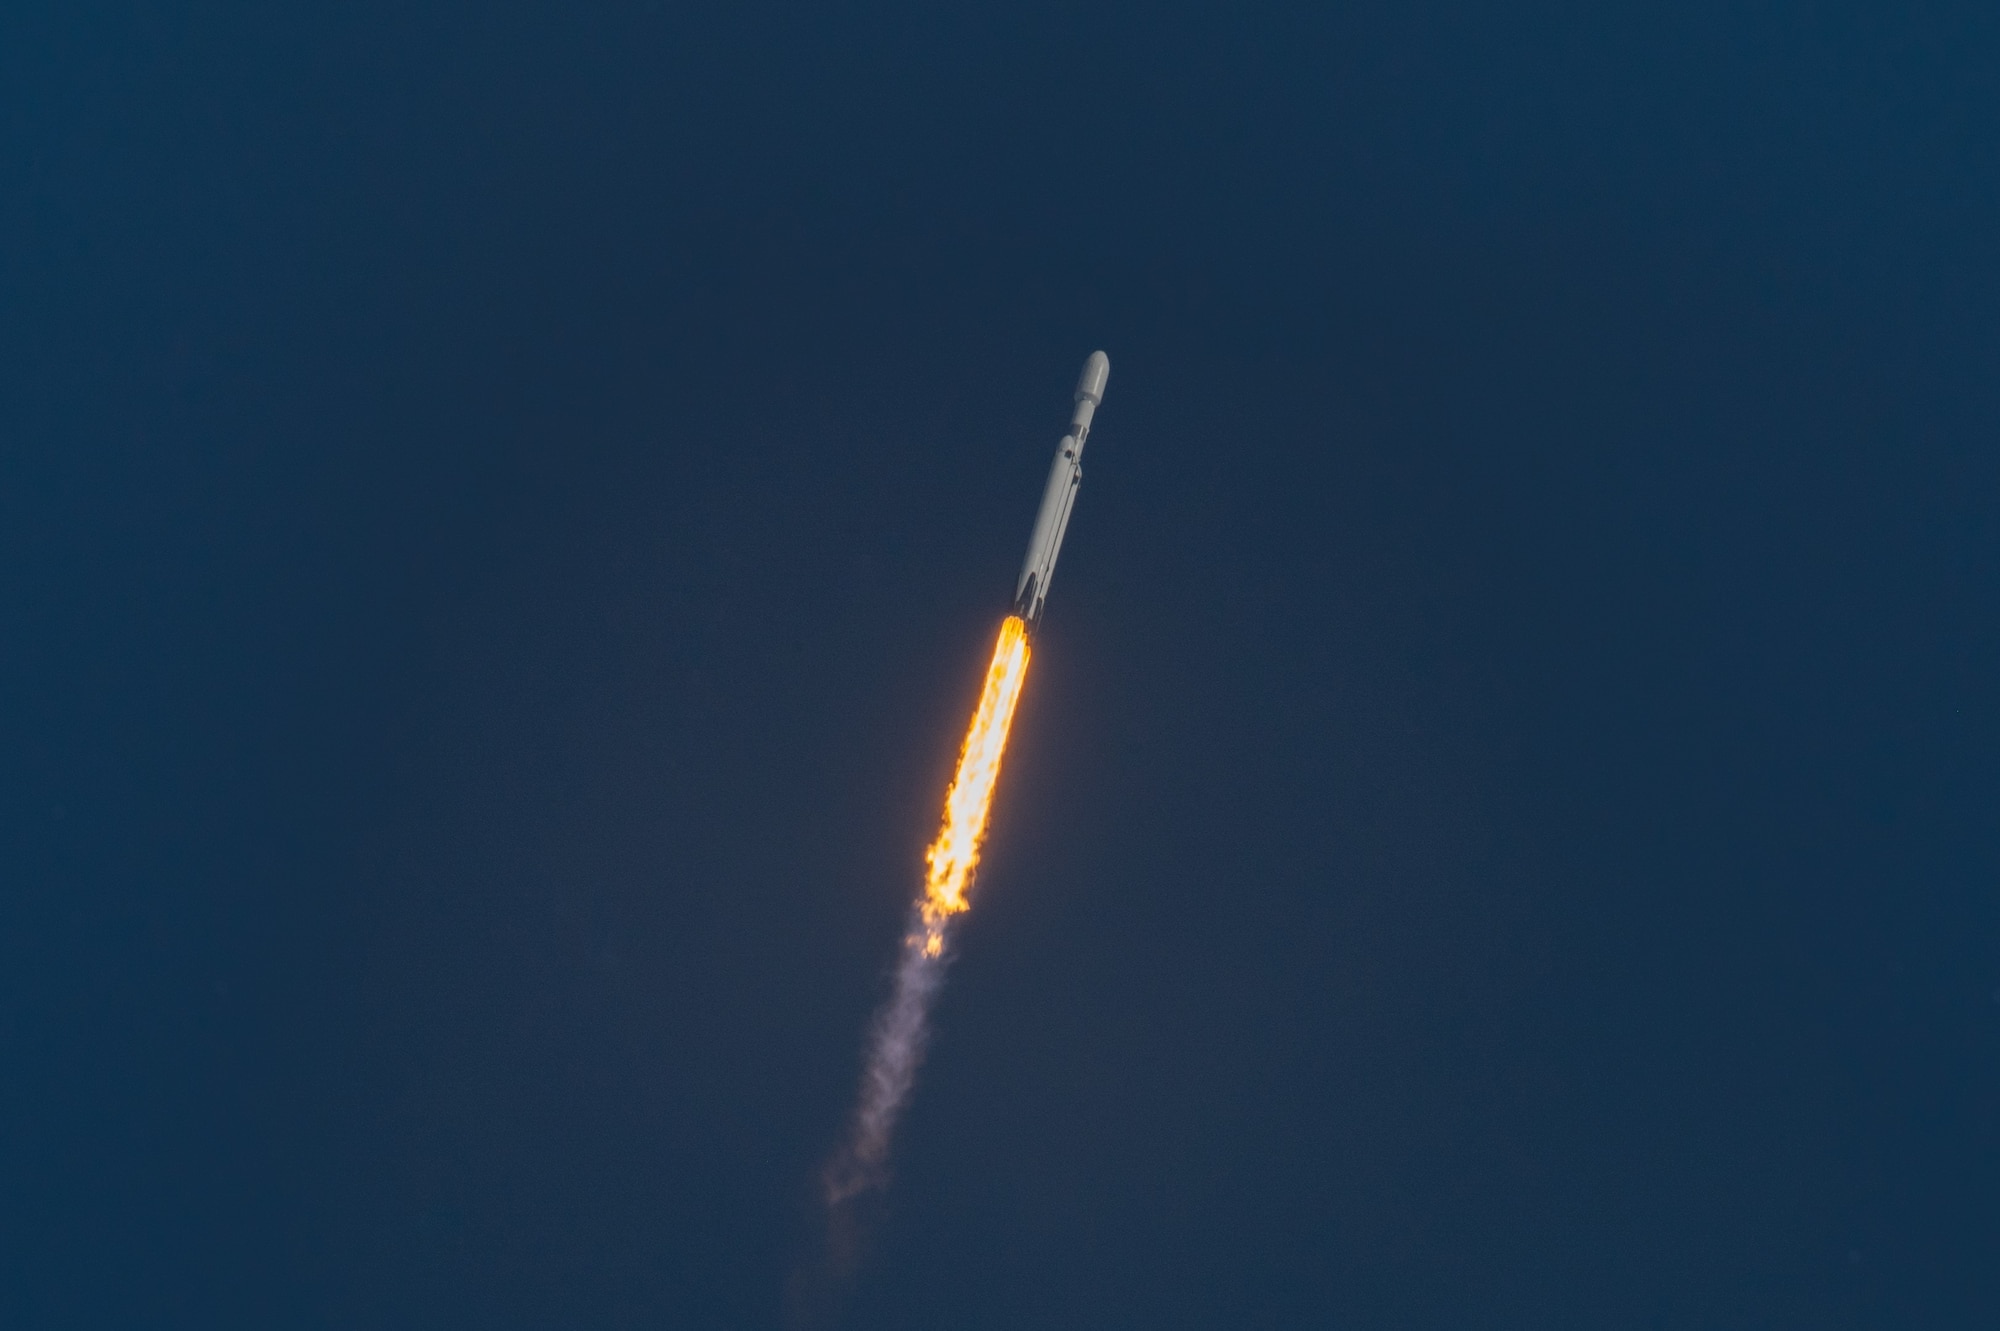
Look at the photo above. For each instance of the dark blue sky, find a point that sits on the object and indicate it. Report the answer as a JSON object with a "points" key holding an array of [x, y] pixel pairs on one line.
{"points": [[503, 509]]}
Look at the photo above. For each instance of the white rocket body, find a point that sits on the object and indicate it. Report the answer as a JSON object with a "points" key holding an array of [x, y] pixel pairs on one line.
{"points": [[1060, 495]]}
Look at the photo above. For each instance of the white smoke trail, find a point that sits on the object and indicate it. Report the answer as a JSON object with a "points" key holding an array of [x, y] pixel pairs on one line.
{"points": [[898, 1035]]}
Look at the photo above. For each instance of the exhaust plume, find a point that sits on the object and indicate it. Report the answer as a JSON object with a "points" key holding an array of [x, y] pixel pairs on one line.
{"points": [[902, 1025]]}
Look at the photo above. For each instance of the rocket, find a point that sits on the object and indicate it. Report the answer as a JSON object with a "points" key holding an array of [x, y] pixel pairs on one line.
{"points": [[1060, 495]]}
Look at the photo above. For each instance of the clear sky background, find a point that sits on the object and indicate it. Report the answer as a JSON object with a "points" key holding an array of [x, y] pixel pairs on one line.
{"points": [[503, 509]]}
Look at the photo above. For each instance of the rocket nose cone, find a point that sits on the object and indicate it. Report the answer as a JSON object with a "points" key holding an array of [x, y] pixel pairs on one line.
{"points": [[1095, 371]]}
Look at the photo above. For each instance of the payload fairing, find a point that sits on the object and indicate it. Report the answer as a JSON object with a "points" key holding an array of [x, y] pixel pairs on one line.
{"points": [[1060, 495]]}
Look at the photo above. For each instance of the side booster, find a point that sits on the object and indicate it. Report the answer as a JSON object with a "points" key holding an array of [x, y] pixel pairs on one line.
{"points": [[1060, 495]]}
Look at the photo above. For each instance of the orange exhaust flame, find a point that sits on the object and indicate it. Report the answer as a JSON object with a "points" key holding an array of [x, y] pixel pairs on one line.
{"points": [[901, 1026], [955, 854]]}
